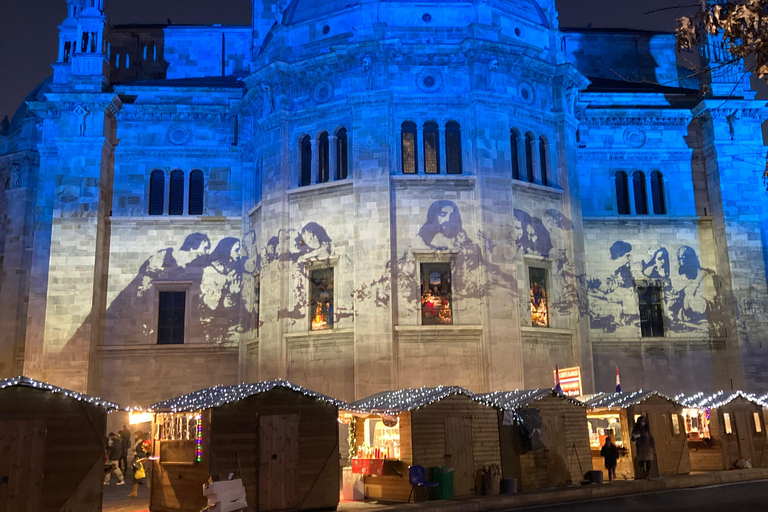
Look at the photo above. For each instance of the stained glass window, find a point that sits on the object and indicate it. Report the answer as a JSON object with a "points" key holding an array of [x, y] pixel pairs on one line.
{"points": [[641, 199], [321, 299], [324, 158], [436, 300], [431, 148], [622, 193], [453, 147], [196, 190], [156, 192], [408, 140], [341, 154], [513, 135], [305, 162], [530, 141], [176, 199], [537, 278]]}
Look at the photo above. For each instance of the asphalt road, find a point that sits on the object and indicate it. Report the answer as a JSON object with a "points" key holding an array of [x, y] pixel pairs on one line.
{"points": [[739, 497]]}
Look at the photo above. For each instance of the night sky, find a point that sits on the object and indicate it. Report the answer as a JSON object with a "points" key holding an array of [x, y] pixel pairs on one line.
{"points": [[29, 35]]}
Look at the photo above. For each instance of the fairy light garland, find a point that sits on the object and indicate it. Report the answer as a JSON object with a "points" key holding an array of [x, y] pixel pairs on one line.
{"points": [[518, 399], [199, 438], [36, 384], [717, 399], [623, 399]]}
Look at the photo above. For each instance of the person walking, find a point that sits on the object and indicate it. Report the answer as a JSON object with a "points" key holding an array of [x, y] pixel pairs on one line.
{"points": [[610, 454], [139, 476], [125, 437], [114, 452], [645, 446]]}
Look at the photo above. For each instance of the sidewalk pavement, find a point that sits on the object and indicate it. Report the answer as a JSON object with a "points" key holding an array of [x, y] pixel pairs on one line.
{"points": [[568, 494]]}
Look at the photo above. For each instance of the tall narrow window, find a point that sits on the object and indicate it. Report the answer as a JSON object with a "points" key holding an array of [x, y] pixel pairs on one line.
{"points": [[641, 198], [196, 189], [176, 195], [727, 421], [529, 143], [758, 425], [257, 181], [409, 140], [514, 156], [544, 160], [651, 299], [453, 163], [156, 192], [657, 191], [342, 162], [305, 161], [431, 148], [622, 193], [436, 299], [324, 163], [170, 318], [537, 278], [321, 299]]}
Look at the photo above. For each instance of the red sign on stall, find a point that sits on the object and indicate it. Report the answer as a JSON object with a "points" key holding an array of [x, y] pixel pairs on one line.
{"points": [[570, 380]]}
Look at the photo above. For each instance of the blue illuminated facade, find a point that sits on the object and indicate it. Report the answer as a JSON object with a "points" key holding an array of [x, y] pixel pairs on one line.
{"points": [[367, 195]]}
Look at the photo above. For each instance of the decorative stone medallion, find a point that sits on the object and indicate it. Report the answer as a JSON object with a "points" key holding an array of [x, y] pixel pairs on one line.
{"points": [[634, 137], [179, 134], [322, 92], [429, 80], [525, 92]]}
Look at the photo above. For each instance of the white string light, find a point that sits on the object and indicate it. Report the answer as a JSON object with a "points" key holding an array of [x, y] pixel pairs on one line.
{"points": [[518, 399], [32, 383], [701, 400], [623, 400]]}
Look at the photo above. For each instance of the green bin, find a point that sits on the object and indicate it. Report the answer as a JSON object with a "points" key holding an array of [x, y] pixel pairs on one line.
{"points": [[443, 477]]}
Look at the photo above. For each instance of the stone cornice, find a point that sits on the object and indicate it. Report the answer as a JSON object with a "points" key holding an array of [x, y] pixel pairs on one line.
{"points": [[171, 114], [180, 151], [144, 350], [611, 119], [660, 155]]}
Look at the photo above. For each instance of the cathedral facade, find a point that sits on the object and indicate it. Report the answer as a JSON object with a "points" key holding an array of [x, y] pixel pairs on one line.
{"points": [[363, 195]]}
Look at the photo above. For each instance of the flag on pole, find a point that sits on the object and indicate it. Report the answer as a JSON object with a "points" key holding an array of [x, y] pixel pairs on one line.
{"points": [[557, 380], [618, 381]]}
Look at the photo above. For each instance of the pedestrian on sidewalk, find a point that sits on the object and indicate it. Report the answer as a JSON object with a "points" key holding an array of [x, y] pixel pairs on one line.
{"points": [[610, 454], [139, 476], [114, 451], [645, 446]]}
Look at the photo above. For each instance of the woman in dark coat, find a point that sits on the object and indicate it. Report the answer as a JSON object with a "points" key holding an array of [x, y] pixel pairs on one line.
{"points": [[645, 446], [610, 454]]}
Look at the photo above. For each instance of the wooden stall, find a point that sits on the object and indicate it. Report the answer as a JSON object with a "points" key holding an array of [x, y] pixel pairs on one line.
{"points": [[430, 427], [564, 457], [281, 439], [723, 428], [616, 414], [52, 443]]}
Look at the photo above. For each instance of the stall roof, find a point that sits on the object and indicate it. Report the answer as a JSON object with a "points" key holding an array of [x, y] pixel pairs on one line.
{"points": [[403, 400], [517, 399], [714, 400], [622, 400], [221, 395], [32, 383]]}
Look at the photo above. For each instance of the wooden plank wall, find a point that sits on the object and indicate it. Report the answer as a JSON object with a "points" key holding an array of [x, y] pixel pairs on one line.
{"points": [[390, 487], [234, 435], [75, 441], [671, 449], [730, 443], [428, 432]]}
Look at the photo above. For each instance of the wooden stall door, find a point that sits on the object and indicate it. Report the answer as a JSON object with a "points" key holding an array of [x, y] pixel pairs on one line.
{"points": [[459, 453], [278, 462], [22, 455], [558, 473], [744, 436]]}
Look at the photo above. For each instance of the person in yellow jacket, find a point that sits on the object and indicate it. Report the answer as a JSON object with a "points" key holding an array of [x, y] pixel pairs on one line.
{"points": [[139, 476]]}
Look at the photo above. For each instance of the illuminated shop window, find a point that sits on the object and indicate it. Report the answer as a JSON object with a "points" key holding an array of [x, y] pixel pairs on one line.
{"points": [[170, 318], [453, 162], [324, 162], [382, 439], [696, 423], [436, 300], [657, 193], [651, 297], [342, 155], [156, 192], [622, 194], [305, 161], [409, 140], [431, 148], [675, 424], [514, 135], [727, 420], [601, 426], [641, 197], [537, 278], [758, 426], [530, 142], [544, 160], [321, 299]]}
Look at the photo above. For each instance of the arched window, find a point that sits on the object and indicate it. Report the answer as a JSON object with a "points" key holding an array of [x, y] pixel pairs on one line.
{"points": [[196, 188], [305, 161], [622, 193], [641, 198], [453, 148], [156, 192], [431, 148], [324, 163], [530, 141], [514, 135], [410, 159], [657, 192], [544, 160], [342, 163], [176, 195]]}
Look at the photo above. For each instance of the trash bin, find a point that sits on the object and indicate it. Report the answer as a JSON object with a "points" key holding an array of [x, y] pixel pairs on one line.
{"points": [[443, 477]]}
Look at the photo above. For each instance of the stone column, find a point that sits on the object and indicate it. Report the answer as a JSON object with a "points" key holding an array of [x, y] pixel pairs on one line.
{"points": [[315, 162], [332, 158], [442, 149]]}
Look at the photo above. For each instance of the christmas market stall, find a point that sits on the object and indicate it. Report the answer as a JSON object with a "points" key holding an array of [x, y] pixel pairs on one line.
{"points": [[282, 440], [437, 428], [616, 414], [725, 430], [52, 443], [542, 438]]}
